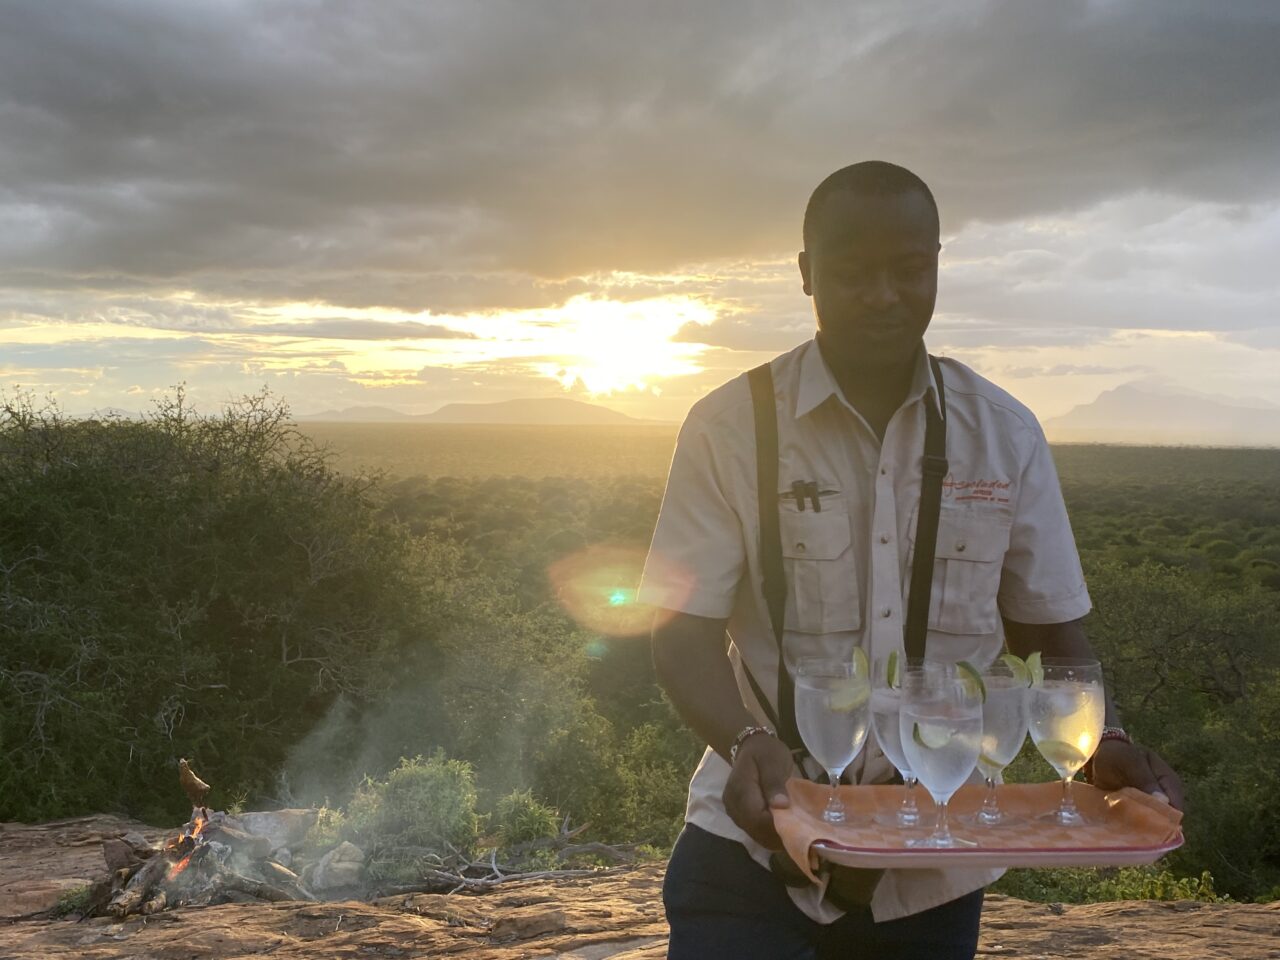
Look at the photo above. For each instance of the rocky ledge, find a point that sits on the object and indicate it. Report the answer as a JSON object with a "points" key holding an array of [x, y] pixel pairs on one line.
{"points": [[618, 915]]}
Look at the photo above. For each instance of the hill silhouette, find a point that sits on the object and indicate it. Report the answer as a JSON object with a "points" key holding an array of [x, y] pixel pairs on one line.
{"points": [[1147, 414]]}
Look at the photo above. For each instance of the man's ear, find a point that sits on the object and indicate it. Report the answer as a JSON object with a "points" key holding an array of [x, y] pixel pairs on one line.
{"points": [[805, 277]]}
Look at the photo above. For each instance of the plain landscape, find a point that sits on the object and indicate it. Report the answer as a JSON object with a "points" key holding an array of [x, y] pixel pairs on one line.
{"points": [[449, 608]]}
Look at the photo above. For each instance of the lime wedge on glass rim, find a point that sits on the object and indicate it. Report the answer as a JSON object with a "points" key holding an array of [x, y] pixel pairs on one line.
{"points": [[972, 679], [932, 736], [849, 698], [1037, 671], [891, 671], [1018, 667]]}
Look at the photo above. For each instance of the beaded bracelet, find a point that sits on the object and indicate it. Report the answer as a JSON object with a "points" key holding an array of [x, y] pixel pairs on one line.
{"points": [[743, 734]]}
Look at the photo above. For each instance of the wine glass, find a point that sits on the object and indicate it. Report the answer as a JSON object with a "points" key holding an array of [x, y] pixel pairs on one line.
{"points": [[1067, 708], [886, 703], [941, 728], [832, 697], [1004, 729]]}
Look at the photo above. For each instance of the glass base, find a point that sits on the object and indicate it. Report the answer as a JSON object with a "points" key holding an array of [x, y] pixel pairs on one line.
{"points": [[904, 821], [939, 843], [1064, 818], [986, 821]]}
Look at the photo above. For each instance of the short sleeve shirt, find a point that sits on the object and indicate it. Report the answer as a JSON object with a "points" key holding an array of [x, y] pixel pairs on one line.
{"points": [[1004, 548]]}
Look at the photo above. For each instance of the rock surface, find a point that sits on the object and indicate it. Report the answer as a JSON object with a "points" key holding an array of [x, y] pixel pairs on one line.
{"points": [[617, 916], [343, 866]]}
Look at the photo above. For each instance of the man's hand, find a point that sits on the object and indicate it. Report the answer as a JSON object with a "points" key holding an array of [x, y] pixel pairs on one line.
{"points": [[1118, 764], [757, 785]]}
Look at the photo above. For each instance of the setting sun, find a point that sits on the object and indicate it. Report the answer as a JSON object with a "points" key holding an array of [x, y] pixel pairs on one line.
{"points": [[609, 346]]}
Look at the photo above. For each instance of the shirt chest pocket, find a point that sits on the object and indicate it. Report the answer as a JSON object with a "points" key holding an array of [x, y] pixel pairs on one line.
{"points": [[817, 557], [966, 574]]}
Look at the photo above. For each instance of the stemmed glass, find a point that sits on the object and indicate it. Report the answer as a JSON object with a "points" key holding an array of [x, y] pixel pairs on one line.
{"points": [[941, 728], [1004, 729], [886, 704], [1067, 710], [832, 697]]}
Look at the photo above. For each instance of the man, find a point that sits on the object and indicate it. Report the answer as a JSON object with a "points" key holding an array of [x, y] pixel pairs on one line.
{"points": [[851, 418]]}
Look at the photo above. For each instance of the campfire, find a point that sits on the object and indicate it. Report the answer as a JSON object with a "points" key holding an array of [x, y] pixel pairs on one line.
{"points": [[214, 858]]}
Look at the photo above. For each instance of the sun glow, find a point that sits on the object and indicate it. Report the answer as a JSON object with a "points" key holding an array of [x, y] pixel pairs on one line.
{"points": [[608, 346]]}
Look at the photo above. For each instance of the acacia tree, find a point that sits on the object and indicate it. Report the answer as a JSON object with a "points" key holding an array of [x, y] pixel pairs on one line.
{"points": [[185, 585]]}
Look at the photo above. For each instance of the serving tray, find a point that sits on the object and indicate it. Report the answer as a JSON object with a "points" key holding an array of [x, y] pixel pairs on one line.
{"points": [[1127, 827]]}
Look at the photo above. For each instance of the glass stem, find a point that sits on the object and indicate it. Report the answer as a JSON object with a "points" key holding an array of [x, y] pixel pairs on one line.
{"points": [[834, 805], [942, 832], [1067, 810], [991, 805], [909, 807]]}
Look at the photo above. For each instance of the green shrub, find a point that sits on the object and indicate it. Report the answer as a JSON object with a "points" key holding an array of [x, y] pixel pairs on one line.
{"points": [[520, 818], [1152, 883], [424, 802], [1097, 884], [327, 832], [74, 900]]}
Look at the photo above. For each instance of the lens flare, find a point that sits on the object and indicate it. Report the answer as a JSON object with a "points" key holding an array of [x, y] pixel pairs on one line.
{"points": [[597, 587]]}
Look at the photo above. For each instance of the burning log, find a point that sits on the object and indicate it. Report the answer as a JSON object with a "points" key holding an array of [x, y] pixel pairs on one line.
{"points": [[139, 887]]}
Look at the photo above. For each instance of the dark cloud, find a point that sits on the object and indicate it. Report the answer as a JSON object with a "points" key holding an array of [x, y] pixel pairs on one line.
{"points": [[381, 154]]}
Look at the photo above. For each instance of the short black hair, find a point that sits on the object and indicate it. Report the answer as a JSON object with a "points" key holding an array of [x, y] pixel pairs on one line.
{"points": [[870, 178]]}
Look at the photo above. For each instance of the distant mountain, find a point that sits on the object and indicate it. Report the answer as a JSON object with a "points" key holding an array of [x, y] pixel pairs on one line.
{"points": [[549, 410], [359, 415], [1141, 413], [555, 411]]}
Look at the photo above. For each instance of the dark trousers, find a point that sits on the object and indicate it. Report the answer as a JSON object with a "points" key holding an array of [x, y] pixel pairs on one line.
{"points": [[722, 905]]}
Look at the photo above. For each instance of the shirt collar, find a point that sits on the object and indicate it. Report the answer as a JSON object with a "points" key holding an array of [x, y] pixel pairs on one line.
{"points": [[817, 384]]}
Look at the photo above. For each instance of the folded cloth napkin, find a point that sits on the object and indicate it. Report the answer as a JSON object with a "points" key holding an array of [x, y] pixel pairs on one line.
{"points": [[1121, 819]]}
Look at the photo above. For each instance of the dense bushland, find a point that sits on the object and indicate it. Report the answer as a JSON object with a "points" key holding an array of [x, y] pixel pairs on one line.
{"points": [[213, 588]]}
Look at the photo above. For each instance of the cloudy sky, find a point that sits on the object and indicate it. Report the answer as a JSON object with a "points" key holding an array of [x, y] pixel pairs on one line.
{"points": [[412, 203]]}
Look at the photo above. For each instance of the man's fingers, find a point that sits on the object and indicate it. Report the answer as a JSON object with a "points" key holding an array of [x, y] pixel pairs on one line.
{"points": [[756, 786], [1170, 783]]}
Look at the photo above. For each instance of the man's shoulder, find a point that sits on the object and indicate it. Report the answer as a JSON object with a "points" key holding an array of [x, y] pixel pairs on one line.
{"points": [[965, 385], [731, 401]]}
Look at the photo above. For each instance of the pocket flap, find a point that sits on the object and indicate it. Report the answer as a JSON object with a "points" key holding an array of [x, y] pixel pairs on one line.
{"points": [[815, 536], [972, 538]]}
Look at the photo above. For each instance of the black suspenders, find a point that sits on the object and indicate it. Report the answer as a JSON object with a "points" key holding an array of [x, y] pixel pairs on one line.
{"points": [[774, 582]]}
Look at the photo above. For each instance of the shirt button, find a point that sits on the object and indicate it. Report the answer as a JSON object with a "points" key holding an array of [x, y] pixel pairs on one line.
{"points": [[884, 538], [800, 547], [884, 471], [960, 546], [887, 612]]}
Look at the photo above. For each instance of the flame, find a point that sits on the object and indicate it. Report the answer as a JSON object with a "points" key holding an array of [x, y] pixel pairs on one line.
{"points": [[191, 833], [178, 867]]}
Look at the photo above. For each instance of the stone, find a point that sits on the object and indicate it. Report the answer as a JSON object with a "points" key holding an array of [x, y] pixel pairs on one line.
{"points": [[36, 895], [247, 844], [343, 866], [117, 854], [282, 856], [526, 926], [284, 828]]}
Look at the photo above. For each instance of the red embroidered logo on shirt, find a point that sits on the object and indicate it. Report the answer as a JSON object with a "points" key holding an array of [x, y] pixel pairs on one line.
{"points": [[985, 491]]}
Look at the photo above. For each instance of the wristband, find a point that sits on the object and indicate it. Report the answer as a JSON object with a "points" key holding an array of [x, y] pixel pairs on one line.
{"points": [[1108, 733], [1115, 733], [743, 734]]}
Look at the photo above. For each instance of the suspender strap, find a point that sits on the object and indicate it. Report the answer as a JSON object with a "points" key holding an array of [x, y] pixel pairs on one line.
{"points": [[934, 468], [774, 582]]}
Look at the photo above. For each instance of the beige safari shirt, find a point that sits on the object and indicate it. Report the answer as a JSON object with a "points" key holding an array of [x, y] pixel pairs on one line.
{"points": [[1004, 547]]}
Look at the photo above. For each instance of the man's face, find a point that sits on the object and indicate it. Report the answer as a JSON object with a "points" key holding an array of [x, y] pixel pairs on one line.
{"points": [[872, 270]]}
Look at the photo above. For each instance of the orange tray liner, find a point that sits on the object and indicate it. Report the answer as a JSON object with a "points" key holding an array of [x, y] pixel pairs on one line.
{"points": [[1123, 819]]}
